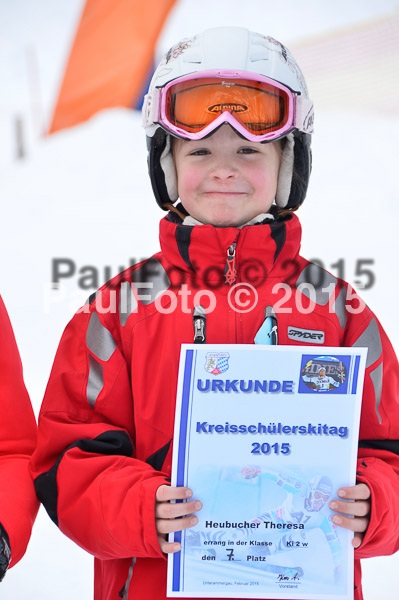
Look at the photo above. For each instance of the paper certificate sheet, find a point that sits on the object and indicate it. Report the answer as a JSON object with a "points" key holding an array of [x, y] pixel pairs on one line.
{"points": [[264, 436]]}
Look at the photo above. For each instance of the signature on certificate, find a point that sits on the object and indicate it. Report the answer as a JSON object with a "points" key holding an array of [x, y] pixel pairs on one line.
{"points": [[284, 577]]}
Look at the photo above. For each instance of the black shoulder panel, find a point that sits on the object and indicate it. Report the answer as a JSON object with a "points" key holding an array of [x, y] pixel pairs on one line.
{"points": [[183, 237], [157, 459], [389, 445], [279, 235]]}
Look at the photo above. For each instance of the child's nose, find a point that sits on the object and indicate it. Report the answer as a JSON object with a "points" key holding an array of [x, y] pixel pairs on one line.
{"points": [[224, 171]]}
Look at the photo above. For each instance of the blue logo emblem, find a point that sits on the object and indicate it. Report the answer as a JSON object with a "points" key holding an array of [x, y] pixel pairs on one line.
{"points": [[217, 362]]}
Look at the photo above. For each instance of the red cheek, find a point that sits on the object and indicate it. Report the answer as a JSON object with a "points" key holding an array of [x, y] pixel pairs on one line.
{"points": [[189, 180]]}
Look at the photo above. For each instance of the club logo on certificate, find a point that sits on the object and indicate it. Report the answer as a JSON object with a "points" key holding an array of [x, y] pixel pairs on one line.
{"points": [[216, 362]]}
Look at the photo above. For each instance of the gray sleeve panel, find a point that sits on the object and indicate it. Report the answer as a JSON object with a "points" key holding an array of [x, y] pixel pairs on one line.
{"points": [[125, 589], [127, 302], [98, 339], [95, 382], [376, 378], [370, 339], [320, 279], [151, 280], [339, 307]]}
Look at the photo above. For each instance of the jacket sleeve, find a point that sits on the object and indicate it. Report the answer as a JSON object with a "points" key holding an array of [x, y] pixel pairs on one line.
{"points": [[84, 468], [378, 457], [18, 502]]}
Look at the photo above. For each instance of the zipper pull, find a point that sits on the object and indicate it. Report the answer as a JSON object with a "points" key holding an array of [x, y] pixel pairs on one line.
{"points": [[268, 332], [199, 320], [230, 270]]}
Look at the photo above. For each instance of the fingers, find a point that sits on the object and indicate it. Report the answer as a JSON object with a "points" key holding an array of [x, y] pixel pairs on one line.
{"points": [[359, 505], [357, 540], [166, 492], [174, 516], [168, 547], [165, 526], [358, 508], [361, 491], [358, 524], [172, 510], [166, 510], [171, 525]]}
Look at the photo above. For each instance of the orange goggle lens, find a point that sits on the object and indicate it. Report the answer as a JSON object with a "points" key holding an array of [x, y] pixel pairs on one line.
{"points": [[259, 106]]}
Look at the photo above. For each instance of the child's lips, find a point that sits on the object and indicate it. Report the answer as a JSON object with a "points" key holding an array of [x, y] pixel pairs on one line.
{"points": [[224, 193]]}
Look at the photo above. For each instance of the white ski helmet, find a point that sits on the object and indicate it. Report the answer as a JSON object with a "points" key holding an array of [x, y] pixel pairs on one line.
{"points": [[219, 51]]}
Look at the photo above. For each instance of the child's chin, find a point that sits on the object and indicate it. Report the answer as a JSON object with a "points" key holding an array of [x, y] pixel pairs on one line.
{"points": [[225, 220], [224, 223]]}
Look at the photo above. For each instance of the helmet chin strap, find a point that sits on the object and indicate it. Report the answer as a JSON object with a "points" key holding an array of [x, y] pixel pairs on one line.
{"points": [[284, 177]]}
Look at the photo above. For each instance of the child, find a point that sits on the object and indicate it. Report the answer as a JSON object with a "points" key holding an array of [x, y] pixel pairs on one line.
{"points": [[18, 502], [228, 123]]}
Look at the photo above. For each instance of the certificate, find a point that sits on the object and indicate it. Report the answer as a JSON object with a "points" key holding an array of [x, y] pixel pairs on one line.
{"points": [[265, 436]]}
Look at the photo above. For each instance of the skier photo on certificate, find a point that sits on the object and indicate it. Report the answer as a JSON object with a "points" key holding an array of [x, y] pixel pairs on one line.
{"points": [[322, 381], [305, 507]]}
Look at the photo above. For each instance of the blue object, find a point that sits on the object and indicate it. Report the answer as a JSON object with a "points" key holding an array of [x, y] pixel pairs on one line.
{"points": [[267, 333]]}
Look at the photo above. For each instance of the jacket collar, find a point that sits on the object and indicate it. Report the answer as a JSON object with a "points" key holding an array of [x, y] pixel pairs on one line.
{"points": [[261, 250]]}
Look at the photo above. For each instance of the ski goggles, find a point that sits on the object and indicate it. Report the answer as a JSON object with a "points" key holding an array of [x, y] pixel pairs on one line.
{"points": [[259, 108]]}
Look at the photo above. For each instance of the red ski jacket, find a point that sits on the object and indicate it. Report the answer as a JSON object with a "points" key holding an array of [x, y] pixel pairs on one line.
{"points": [[18, 502], [106, 424]]}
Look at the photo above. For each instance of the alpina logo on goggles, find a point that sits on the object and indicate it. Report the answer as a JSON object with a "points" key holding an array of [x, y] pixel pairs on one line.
{"points": [[229, 106], [259, 108]]}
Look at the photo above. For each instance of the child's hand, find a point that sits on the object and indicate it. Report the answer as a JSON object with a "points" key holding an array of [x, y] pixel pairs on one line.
{"points": [[360, 509], [167, 513]]}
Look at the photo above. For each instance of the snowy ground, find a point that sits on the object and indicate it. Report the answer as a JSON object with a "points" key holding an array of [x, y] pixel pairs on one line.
{"points": [[84, 195]]}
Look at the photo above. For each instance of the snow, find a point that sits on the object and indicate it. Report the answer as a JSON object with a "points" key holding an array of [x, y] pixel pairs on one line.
{"points": [[84, 195]]}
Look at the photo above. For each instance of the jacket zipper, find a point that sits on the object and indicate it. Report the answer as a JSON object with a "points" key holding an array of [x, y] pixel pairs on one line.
{"points": [[230, 277], [199, 320], [230, 269]]}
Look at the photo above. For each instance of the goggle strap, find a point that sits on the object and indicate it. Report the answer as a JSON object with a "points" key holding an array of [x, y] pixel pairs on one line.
{"points": [[151, 108], [304, 114]]}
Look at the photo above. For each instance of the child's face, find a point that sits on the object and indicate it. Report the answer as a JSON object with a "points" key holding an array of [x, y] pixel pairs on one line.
{"points": [[225, 180]]}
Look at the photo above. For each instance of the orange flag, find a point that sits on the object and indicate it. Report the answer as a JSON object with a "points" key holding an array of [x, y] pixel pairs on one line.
{"points": [[111, 58]]}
